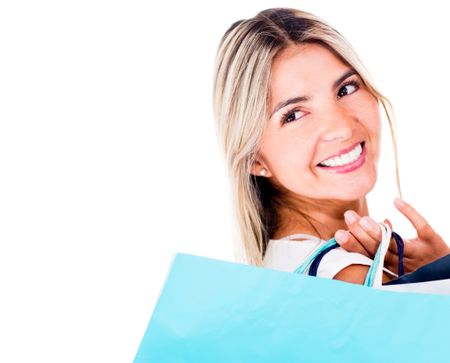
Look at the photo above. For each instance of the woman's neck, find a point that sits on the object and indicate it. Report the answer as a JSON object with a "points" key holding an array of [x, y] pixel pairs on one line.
{"points": [[326, 216]]}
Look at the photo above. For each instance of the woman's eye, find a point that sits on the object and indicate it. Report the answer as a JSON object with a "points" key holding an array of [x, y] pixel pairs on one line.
{"points": [[348, 88], [290, 116]]}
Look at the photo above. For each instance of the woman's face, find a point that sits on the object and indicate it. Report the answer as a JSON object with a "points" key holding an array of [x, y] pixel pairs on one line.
{"points": [[335, 118]]}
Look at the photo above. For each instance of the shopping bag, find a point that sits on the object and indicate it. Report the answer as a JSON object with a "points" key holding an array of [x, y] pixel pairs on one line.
{"points": [[433, 278], [218, 311]]}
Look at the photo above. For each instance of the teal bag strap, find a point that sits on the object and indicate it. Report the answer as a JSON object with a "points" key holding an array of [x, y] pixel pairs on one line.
{"points": [[375, 273], [374, 276], [301, 269]]}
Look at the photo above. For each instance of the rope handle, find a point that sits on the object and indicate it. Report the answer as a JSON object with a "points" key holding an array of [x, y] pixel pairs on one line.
{"points": [[374, 276], [400, 249], [314, 259]]}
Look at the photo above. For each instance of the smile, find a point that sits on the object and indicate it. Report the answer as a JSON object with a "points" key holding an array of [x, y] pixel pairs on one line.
{"points": [[346, 162]]}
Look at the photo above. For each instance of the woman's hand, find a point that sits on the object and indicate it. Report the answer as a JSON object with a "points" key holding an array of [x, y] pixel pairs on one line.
{"points": [[364, 237]]}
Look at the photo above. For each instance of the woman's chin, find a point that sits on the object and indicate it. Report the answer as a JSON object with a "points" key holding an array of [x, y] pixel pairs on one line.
{"points": [[356, 190]]}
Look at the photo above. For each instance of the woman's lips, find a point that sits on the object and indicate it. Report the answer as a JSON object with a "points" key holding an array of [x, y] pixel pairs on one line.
{"points": [[349, 167]]}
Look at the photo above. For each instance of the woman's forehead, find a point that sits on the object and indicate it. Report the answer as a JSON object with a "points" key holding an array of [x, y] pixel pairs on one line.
{"points": [[305, 66], [306, 61]]}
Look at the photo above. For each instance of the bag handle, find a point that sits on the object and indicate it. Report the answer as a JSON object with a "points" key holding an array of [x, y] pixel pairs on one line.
{"points": [[330, 243], [400, 248], [374, 276], [315, 258]]}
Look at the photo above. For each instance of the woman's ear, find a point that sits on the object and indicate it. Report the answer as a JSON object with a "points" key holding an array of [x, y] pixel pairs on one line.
{"points": [[260, 169]]}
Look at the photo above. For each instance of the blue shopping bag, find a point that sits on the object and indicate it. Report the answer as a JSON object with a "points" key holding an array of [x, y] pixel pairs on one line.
{"points": [[217, 311]]}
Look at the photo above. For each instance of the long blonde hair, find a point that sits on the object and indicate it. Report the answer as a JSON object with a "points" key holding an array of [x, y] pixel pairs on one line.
{"points": [[240, 102]]}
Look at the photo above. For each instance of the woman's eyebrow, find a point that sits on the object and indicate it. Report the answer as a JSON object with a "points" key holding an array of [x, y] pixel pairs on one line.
{"points": [[336, 83]]}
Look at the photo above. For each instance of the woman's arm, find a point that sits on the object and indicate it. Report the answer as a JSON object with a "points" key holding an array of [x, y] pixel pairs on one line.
{"points": [[356, 274]]}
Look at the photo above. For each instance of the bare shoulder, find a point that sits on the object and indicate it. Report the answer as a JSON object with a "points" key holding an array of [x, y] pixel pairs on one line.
{"points": [[356, 274]]}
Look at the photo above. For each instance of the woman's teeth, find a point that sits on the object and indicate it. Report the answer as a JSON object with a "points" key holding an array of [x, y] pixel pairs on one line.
{"points": [[345, 158]]}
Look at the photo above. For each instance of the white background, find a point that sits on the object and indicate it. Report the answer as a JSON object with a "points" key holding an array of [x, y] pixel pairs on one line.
{"points": [[109, 163]]}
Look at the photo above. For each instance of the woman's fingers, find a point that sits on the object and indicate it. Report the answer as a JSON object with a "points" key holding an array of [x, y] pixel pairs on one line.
{"points": [[347, 241], [422, 227], [364, 237], [365, 230], [428, 245], [357, 238]]}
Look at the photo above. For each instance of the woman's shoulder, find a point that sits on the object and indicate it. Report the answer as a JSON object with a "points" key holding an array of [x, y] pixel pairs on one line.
{"points": [[287, 255]]}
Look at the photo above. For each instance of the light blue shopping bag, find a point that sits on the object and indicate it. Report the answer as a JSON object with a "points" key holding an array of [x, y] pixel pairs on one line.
{"points": [[214, 311]]}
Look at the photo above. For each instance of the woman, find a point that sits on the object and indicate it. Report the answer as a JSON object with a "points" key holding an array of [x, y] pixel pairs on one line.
{"points": [[298, 120]]}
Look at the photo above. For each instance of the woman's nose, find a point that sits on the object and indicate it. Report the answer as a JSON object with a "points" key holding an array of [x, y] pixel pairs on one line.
{"points": [[336, 124]]}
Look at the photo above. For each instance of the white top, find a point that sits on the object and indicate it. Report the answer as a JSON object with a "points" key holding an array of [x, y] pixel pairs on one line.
{"points": [[287, 255]]}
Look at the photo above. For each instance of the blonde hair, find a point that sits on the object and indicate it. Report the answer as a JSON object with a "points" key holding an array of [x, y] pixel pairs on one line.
{"points": [[240, 102]]}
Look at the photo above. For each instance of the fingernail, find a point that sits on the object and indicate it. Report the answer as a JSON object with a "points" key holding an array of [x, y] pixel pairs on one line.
{"points": [[341, 236], [368, 224], [398, 202], [349, 216]]}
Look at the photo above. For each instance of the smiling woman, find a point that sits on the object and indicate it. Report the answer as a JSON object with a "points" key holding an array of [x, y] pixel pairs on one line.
{"points": [[298, 119], [316, 155]]}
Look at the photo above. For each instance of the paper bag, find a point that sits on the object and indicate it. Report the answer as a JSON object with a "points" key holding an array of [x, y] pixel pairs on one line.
{"points": [[216, 311]]}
